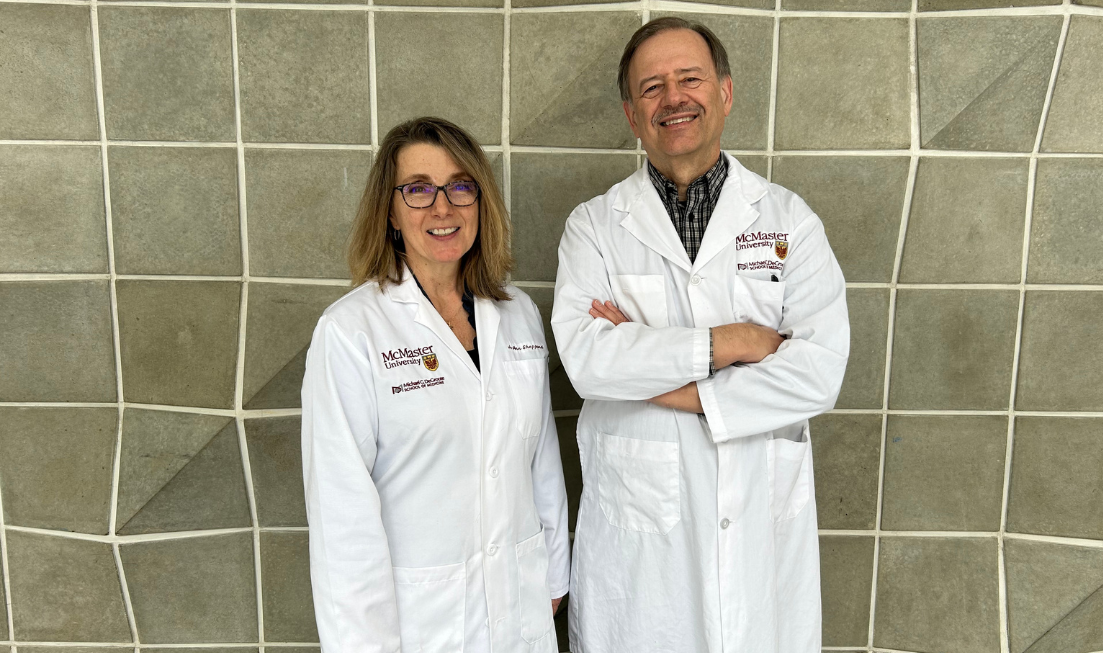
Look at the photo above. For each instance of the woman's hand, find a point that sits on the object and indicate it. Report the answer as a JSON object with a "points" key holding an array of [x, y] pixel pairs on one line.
{"points": [[555, 605], [608, 311]]}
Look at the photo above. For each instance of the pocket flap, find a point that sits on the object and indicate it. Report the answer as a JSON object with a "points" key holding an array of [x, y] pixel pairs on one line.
{"points": [[419, 575]]}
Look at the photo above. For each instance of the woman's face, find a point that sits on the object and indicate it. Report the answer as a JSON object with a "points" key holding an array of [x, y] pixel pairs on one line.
{"points": [[441, 233]]}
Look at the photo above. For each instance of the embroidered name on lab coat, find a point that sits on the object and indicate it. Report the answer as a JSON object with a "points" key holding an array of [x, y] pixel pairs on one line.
{"points": [[420, 384]]}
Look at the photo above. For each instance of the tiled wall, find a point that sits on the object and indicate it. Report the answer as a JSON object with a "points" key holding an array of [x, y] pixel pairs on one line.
{"points": [[177, 179]]}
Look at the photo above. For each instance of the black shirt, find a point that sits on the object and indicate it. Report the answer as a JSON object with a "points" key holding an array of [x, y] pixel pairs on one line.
{"points": [[691, 217], [468, 303]]}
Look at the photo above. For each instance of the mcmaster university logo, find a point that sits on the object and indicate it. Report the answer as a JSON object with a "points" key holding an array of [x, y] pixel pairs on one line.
{"points": [[431, 362]]}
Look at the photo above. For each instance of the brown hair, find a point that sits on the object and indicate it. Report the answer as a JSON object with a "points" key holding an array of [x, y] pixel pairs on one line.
{"points": [[373, 252], [716, 48]]}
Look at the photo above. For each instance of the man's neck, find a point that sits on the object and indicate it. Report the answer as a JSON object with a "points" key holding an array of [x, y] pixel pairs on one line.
{"points": [[683, 171]]}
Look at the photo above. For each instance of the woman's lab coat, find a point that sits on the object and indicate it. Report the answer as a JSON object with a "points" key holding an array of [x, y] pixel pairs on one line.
{"points": [[698, 534], [434, 492]]}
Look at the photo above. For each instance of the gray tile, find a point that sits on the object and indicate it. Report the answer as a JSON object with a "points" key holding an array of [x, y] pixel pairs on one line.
{"points": [[201, 649], [65, 590], [760, 165], [1080, 630], [3, 597], [847, 454], [1053, 376], [51, 208], [447, 48], [1075, 120], [275, 456], [56, 468], [1066, 233], [301, 205], [952, 5], [167, 73], [966, 221], [179, 341], [843, 84], [944, 472], [452, 3], [546, 188], [175, 210], [983, 80], [953, 349], [180, 472], [846, 5], [579, 105], [1055, 477], [1045, 583], [58, 344], [198, 589], [79, 649], [556, 3], [572, 465], [304, 76], [280, 323], [285, 574], [563, 393], [1093, 3], [864, 382], [47, 76], [846, 585], [859, 199], [749, 41], [936, 594]]}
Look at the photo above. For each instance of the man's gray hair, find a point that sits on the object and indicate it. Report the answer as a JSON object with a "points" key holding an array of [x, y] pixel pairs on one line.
{"points": [[716, 48]]}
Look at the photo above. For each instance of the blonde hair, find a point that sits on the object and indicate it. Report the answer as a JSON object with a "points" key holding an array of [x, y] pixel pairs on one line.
{"points": [[375, 255]]}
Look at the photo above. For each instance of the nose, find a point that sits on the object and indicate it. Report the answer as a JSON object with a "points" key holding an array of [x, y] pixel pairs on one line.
{"points": [[441, 206], [673, 94]]}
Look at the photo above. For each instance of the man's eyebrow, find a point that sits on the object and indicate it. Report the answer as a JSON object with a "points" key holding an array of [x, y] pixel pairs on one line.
{"points": [[680, 71]]}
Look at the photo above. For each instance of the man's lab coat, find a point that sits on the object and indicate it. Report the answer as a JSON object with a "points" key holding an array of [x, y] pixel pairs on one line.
{"points": [[698, 533]]}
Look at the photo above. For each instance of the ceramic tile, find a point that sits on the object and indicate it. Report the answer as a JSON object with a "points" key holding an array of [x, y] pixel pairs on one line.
{"points": [[301, 206], [847, 454], [760, 165], [572, 465], [1080, 630], [175, 210], [167, 73], [1066, 234], [954, 5], [288, 603], [304, 76], [441, 45], [275, 456], [953, 349], [1075, 120], [563, 393], [50, 226], [56, 469], [1092, 3], [864, 382], [555, 3], [846, 5], [846, 583], [1056, 377], [179, 341], [58, 344], [450, 3], [843, 84]]}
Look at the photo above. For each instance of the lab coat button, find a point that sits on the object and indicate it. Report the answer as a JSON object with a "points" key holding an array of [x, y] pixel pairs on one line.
{"points": [[724, 523], [492, 549], [493, 472], [695, 279], [489, 395]]}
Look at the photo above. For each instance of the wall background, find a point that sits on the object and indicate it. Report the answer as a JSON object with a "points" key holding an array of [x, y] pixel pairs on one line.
{"points": [[177, 179]]}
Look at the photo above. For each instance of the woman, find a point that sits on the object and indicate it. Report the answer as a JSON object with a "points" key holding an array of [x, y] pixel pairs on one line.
{"points": [[434, 489]]}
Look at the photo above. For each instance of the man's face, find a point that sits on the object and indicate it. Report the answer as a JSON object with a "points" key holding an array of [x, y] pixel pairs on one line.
{"points": [[678, 104]]}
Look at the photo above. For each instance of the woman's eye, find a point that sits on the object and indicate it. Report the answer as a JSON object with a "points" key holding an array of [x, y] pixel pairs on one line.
{"points": [[463, 186], [417, 189]]}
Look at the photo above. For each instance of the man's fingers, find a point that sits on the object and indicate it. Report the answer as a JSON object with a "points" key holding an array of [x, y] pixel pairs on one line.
{"points": [[607, 311]]}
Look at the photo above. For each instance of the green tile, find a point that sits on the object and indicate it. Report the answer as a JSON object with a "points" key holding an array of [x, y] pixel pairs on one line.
{"points": [[760, 165], [579, 105], [301, 205], [1055, 477], [843, 83], [1066, 234], [80, 649], [451, 3], [953, 349], [572, 465], [1053, 376], [864, 381], [846, 585], [563, 393], [937, 594], [304, 76], [1075, 120], [167, 73], [58, 344], [65, 590], [966, 221], [952, 5], [859, 199], [846, 5], [285, 574], [1080, 630], [56, 468], [175, 210], [944, 472], [847, 453], [197, 589], [275, 456], [47, 77], [983, 80], [556, 3], [1092, 3], [546, 188], [461, 53], [749, 41], [1045, 584], [50, 226], [179, 341]]}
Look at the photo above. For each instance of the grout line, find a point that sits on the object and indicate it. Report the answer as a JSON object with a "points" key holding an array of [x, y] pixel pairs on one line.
{"points": [[5, 568], [354, 147], [373, 93], [131, 645], [555, 149], [771, 127], [534, 284], [1055, 539], [126, 593], [130, 539], [507, 79]]}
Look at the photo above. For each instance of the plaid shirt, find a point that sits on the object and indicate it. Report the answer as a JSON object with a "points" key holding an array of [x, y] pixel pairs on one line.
{"points": [[691, 216]]}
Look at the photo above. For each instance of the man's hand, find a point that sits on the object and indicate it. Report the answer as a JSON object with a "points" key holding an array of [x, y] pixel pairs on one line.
{"points": [[608, 311], [743, 343], [555, 605]]}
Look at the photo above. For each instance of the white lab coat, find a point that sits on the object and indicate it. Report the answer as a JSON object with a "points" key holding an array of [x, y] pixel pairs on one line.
{"points": [[698, 533], [434, 492]]}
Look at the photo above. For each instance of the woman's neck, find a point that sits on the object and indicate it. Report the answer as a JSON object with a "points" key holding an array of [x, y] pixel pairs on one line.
{"points": [[438, 281]]}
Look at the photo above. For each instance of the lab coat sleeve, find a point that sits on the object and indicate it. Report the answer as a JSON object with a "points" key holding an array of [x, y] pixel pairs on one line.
{"points": [[630, 361], [802, 379], [350, 560]]}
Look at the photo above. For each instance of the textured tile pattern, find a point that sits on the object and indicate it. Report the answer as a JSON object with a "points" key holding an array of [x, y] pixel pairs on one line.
{"points": [[1045, 585], [275, 457], [288, 603], [847, 451], [1053, 377], [846, 574], [1066, 234], [1075, 121]]}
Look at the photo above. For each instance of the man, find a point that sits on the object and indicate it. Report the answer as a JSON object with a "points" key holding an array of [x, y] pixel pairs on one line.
{"points": [[721, 327]]}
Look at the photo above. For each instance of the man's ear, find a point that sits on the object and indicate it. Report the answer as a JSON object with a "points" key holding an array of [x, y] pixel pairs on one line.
{"points": [[726, 93], [627, 104]]}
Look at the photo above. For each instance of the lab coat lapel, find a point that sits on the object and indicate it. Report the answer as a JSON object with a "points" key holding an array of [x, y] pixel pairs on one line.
{"points": [[487, 319], [733, 213], [646, 219], [427, 316]]}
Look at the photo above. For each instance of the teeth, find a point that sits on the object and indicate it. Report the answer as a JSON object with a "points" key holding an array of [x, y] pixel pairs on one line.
{"points": [[444, 232], [678, 120]]}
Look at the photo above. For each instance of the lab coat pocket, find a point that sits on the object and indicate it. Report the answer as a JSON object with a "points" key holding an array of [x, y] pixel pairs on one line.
{"points": [[641, 297], [431, 608], [525, 379], [532, 581], [638, 484], [757, 301], [788, 464]]}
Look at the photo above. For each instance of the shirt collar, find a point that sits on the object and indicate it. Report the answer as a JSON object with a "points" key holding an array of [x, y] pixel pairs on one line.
{"points": [[713, 179]]}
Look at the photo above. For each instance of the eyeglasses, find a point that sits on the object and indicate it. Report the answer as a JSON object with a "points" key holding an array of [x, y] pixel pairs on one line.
{"points": [[422, 195]]}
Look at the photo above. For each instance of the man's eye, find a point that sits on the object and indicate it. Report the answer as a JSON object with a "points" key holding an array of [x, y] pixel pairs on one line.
{"points": [[692, 82], [651, 91]]}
